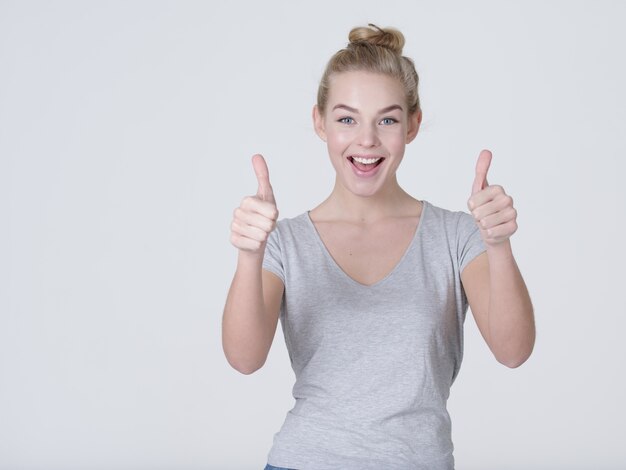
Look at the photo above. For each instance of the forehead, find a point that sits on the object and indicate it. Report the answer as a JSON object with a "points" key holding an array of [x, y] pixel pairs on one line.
{"points": [[365, 90]]}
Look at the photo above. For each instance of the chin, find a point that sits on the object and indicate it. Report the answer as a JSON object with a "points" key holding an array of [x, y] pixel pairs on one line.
{"points": [[364, 190]]}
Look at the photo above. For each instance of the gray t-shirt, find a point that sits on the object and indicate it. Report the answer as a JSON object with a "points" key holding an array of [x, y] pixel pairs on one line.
{"points": [[373, 364]]}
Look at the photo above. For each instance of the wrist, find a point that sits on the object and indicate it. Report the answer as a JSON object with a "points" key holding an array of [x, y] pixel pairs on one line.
{"points": [[250, 258], [500, 250]]}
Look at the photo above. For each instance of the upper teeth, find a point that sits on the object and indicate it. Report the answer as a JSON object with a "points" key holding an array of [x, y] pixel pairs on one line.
{"points": [[366, 161]]}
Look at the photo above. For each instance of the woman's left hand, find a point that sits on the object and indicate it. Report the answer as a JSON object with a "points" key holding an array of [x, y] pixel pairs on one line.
{"points": [[491, 207]]}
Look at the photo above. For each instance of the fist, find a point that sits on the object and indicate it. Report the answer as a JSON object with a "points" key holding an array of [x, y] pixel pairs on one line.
{"points": [[491, 207], [256, 217]]}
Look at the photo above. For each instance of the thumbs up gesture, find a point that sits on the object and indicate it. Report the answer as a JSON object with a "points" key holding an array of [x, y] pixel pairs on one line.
{"points": [[491, 207], [256, 217]]}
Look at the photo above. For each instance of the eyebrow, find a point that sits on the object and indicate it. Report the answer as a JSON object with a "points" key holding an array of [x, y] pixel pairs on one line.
{"points": [[384, 110]]}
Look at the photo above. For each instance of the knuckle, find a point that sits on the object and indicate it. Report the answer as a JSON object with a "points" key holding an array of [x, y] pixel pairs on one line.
{"points": [[267, 227], [236, 229]]}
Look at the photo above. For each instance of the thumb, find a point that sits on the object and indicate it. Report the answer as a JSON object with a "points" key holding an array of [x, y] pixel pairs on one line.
{"points": [[482, 167], [264, 191]]}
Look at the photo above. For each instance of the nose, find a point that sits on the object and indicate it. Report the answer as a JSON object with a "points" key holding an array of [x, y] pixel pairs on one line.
{"points": [[368, 137]]}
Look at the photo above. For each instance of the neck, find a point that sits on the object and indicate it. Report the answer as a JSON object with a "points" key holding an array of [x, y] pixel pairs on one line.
{"points": [[344, 205]]}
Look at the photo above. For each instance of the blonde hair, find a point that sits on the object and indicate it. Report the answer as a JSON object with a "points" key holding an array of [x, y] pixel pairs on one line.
{"points": [[373, 49]]}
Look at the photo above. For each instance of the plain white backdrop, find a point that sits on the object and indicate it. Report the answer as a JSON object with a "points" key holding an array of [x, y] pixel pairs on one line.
{"points": [[126, 132]]}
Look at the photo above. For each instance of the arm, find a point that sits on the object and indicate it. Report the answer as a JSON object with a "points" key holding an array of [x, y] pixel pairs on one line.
{"points": [[492, 281], [253, 302], [250, 314], [501, 305]]}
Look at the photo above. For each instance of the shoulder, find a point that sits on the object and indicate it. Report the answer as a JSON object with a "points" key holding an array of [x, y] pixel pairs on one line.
{"points": [[284, 243], [296, 223], [289, 230], [452, 221]]}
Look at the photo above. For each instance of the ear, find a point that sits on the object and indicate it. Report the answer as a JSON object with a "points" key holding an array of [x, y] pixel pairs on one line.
{"points": [[414, 122], [318, 123]]}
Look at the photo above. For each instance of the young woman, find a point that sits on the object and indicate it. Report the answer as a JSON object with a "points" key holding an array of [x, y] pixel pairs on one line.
{"points": [[372, 285]]}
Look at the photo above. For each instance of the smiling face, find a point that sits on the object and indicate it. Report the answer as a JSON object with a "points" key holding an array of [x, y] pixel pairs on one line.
{"points": [[366, 127]]}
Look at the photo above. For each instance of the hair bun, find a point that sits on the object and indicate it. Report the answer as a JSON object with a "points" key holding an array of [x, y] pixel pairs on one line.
{"points": [[390, 38]]}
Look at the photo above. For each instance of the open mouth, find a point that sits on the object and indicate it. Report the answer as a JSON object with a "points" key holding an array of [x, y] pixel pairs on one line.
{"points": [[365, 164]]}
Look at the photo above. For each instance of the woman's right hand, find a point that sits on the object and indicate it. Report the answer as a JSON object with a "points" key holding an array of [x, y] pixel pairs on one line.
{"points": [[256, 217]]}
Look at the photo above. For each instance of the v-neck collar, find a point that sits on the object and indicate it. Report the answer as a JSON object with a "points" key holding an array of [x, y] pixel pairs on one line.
{"points": [[345, 275]]}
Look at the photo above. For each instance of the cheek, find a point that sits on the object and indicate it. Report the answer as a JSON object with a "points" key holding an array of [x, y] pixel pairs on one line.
{"points": [[396, 142], [337, 141]]}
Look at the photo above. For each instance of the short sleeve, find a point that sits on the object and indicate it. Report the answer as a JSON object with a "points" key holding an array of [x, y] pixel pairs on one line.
{"points": [[470, 242], [272, 260]]}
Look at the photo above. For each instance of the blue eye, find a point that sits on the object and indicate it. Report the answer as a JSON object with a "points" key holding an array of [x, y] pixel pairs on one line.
{"points": [[388, 121], [346, 120]]}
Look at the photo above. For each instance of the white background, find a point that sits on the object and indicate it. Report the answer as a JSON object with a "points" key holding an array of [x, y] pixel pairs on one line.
{"points": [[126, 131]]}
